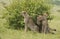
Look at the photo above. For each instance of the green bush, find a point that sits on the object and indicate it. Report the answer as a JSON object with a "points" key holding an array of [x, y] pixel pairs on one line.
{"points": [[33, 7]]}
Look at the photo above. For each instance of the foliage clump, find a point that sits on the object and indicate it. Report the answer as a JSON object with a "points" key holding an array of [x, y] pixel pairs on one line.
{"points": [[33, 7]]}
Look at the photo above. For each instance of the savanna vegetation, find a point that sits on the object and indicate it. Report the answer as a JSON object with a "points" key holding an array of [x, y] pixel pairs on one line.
{"points": [[11, 21]]}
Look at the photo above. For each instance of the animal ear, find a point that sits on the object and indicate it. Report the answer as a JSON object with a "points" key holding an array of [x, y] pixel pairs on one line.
{"points": [[24, 12], [45, 14]]}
